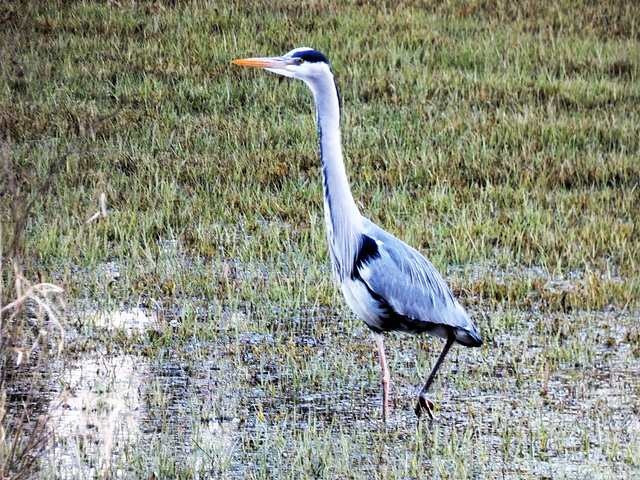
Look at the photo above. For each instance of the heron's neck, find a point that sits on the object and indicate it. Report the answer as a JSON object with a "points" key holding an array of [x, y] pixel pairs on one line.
{"points": [[336, 185], [341, 212]]}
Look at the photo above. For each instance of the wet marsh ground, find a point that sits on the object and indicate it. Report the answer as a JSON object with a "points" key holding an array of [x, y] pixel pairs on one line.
{"points": [[203, 336]]}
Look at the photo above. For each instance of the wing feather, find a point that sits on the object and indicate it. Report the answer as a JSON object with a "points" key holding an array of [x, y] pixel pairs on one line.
{"points": [[412, 287]]}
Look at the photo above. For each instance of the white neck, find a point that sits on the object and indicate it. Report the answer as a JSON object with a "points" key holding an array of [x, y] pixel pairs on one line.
{"points": [[341, 213]]}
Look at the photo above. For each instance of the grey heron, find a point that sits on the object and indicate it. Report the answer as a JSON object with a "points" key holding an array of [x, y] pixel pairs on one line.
{"points": [[387, 283]]}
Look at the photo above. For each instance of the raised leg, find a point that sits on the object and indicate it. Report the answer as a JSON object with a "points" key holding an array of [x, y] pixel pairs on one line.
{"points": [[423, 402], [385, 377]]}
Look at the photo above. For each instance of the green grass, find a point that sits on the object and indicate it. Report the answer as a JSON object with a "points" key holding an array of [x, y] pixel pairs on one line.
{"points": [[501, 139]]}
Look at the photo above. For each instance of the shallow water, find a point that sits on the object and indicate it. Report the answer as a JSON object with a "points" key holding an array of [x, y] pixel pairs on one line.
{"points": [[212, 407]]}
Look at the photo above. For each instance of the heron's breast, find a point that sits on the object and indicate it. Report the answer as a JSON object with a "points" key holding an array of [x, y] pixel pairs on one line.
{"points": [[361, 302]]}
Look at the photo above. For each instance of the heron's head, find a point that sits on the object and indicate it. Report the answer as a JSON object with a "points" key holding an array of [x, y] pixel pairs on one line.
{"points": [[303, 63]]}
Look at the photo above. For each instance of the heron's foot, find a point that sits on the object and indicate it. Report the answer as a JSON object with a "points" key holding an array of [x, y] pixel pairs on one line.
{"points": [[424, 404]]}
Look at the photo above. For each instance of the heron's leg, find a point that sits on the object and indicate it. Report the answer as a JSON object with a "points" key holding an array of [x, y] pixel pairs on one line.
{"points": [[423, 402], [385, 377]]}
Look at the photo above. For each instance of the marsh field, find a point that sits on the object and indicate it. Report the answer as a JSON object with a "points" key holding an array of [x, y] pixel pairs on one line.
{"points": [[168, 309]]}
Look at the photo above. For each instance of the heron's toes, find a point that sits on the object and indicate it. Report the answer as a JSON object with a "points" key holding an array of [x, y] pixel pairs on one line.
{"points": [[424, 404]]}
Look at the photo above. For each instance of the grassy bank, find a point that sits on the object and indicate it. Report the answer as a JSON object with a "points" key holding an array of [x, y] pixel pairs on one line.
{"points": [[503, 141]]}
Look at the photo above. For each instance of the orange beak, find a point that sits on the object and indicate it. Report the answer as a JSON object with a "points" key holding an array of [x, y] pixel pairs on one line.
{"points": [[263, 62]]}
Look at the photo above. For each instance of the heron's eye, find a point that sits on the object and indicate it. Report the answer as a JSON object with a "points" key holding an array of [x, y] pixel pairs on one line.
{"points": [[299, 61]]}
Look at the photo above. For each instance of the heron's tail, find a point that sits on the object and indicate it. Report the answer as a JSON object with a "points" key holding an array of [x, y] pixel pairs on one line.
{"points": [[469, 337]]}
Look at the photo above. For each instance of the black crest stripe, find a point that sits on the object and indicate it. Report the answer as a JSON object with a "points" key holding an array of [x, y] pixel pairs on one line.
{"points": [[311, 56]]}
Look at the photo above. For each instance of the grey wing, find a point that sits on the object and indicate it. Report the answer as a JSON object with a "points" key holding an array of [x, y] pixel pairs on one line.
{"points": [[411, 290]]}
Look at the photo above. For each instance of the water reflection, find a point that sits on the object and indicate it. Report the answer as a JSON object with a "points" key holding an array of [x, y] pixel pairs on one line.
{"points": [[132, 320], [127, 408], [102, 414]]}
